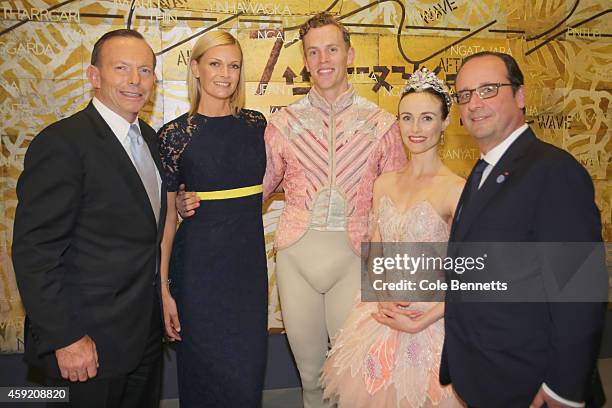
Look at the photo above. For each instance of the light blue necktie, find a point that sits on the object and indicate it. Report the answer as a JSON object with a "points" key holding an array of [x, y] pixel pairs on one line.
{"points": [[146, 167]]}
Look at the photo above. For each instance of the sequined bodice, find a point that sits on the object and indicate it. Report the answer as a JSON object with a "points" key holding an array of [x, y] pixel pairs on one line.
{"points": [[419, 223]]}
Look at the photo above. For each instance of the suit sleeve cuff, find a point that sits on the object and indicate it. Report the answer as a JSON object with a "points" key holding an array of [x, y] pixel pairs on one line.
{"points": [[562, 400]]}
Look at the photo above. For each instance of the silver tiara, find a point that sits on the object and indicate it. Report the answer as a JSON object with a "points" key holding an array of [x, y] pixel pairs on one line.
{"points": [[423, 79]]}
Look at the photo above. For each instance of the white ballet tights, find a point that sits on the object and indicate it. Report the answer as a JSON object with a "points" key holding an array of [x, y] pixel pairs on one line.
{"points": [[318, 278]]}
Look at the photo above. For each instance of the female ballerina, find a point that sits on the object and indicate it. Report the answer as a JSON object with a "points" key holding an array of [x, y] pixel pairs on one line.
{"points": [[216, 304], [388, 354]]}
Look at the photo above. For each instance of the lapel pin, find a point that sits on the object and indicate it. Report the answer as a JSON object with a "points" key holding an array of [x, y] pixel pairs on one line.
{"points": [[502, 177]]}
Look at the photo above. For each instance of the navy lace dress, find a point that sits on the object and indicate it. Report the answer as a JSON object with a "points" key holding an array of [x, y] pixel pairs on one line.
{"points": [[218, 263]]}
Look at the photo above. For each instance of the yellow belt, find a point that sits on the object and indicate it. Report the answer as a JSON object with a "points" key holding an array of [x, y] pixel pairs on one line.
{"points": [[232, 193]]}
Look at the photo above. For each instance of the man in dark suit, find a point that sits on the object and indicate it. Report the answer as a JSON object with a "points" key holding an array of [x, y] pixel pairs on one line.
{"points": [[522, 190], [86, 238]]}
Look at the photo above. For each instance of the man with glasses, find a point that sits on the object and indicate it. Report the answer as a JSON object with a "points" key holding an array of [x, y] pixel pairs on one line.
{"points": [[521, 190]]}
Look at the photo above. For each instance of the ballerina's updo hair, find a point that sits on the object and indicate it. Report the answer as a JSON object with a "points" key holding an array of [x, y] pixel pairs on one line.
{"points": [[207, 41], [424, 80]]}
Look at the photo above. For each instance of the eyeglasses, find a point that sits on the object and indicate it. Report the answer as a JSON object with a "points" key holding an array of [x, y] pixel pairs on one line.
{"points": [[485, 91]]}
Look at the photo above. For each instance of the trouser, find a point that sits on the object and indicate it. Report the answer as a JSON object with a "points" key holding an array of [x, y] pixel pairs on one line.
{"points": [[318, 279]]}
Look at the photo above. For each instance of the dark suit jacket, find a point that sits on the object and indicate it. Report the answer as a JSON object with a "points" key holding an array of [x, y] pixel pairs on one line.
{"points": [[499, 354], [86, 244]]}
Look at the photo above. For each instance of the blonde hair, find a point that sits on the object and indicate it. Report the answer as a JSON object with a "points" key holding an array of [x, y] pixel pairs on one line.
{"points": [[207, 41]]}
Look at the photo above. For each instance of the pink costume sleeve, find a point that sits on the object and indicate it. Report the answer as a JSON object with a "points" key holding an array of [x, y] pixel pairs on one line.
{"points": [[275, 163], [393, 154]]}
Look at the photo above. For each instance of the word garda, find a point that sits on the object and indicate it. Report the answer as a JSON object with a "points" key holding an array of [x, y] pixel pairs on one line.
{"points": [[27, 47]]}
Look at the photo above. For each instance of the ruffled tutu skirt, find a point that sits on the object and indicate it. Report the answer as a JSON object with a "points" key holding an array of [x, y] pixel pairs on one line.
{"points": [[372, 365]]}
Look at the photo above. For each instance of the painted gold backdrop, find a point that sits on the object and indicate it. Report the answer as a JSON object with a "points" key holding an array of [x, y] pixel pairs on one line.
{"points": [[563, 46]]}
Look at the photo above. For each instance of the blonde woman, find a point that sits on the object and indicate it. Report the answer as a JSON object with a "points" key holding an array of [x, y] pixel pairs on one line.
{"points": [[214, 266]]}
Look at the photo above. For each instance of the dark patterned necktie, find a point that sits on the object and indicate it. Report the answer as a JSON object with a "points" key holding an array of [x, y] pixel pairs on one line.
{"points": [[474, 183]]}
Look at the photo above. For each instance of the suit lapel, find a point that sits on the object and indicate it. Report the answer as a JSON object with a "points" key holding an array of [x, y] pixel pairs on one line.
{"points": [[495, 182], [459, 209], [117, 154]]}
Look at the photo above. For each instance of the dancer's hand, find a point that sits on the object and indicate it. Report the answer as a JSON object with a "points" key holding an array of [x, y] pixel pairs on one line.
{"points": [[400, 307], [399, 321], [186, 202]]}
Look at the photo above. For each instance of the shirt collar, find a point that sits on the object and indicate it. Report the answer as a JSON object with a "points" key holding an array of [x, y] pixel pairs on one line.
{"points": [[343, 101], [118, 125], [496, 153]]}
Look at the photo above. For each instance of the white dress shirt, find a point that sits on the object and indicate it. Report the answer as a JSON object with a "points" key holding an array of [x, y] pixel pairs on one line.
{"points": [[496, 153], [492, 157], [120, 128]]}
